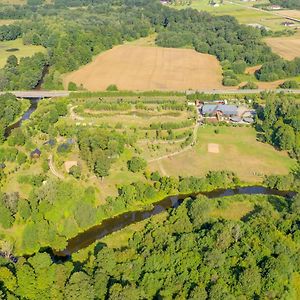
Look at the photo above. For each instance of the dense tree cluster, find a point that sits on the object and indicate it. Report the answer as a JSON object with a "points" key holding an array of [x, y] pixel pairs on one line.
{"points": [[278, 69], [24, 74], [10, 32], [279, 120], [48, 115], [100, 148], [102, 24], [193, 247], [10, 108]]}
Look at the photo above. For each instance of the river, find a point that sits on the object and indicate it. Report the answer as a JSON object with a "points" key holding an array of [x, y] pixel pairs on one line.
{"points": [[108, 226], [26, 116]]}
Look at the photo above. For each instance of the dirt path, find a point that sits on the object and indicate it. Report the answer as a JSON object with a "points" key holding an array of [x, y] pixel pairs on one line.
{"points": [[162, 169], [52, 169], [74, 116], [180, 151]]}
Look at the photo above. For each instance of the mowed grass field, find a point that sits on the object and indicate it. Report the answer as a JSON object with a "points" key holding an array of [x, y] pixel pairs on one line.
{"points": [[141, 68], [243, 12], [24, 50], [287, 47], [238, 151]]}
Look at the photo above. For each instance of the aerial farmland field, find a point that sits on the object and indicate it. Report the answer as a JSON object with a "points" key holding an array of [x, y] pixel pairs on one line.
{"points": [[149, 68], [242, 11], [287, 47]]}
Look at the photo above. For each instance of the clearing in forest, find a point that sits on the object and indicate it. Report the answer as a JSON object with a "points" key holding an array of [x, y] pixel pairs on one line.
{"points": [[18, 49], [149, 68], [239, 151], [287, 47]]}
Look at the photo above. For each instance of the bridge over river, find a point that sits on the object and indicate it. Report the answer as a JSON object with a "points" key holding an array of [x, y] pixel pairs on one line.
{"points": [[38, 94], [57, 94]]}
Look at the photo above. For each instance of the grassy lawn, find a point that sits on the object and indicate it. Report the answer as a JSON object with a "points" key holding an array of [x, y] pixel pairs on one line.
{"points": [[243, 12], [235, 211], [120, 238], [24, 50], [238, 151]]}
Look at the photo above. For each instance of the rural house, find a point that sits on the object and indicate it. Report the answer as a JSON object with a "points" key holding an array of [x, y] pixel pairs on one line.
{"points": [[35, 153], [226, 112]]}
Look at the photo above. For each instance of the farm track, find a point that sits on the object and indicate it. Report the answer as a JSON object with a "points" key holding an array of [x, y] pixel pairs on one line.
{"points": [[52, 168]]}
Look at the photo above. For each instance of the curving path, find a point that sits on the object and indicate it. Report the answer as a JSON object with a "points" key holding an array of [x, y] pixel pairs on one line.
{"points": [[52, 168]]}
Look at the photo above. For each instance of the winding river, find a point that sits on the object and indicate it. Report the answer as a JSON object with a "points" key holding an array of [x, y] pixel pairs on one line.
{"points": [[108, 226], [26, 116]]}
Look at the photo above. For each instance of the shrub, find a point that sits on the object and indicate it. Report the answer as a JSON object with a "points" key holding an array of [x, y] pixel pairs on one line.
{"points": [[72, 86], [249, 86], [289, 84], [136, 164], [112, 88], [227, 81]]}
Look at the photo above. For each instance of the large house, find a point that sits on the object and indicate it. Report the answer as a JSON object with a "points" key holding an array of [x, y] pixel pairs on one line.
{"points": [[226, 112], [223, 109]]}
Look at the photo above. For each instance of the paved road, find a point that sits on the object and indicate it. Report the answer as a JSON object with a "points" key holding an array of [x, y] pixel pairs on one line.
{"points": [[243, 92], [54, 94], [38, 94]]}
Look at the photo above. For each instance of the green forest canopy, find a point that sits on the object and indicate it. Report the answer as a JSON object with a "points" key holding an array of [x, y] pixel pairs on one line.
{"points": [[103, 24]]}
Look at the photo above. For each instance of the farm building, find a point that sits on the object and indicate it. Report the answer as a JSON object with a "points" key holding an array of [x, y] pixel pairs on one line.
{"points": [[224, 112], [35, 153]]}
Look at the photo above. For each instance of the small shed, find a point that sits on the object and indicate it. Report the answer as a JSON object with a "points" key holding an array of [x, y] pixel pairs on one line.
{"points": [[2, 166], [36, 153]]}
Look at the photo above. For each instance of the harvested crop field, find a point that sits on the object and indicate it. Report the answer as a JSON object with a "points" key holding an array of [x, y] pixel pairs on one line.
{"points": [[149, 68], [287, 47]]}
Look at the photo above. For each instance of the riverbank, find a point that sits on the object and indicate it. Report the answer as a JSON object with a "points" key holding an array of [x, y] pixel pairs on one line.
{"points": [[108, 226]]}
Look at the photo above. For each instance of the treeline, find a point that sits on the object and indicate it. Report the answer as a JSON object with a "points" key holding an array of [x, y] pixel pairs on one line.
{"points": [[278, 69], [56, 211], [10, 32], [207, 254], [23, 74], [292, 4], [71, 45], [99, 148], [279, 123], [10, 108], [110, 106], [172, 125], [48, 115]]}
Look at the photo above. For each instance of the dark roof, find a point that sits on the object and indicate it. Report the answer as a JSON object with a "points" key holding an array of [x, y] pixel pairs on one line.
{"points": [[36, 152], [51, 142], [2, 165], [224, 108]]}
